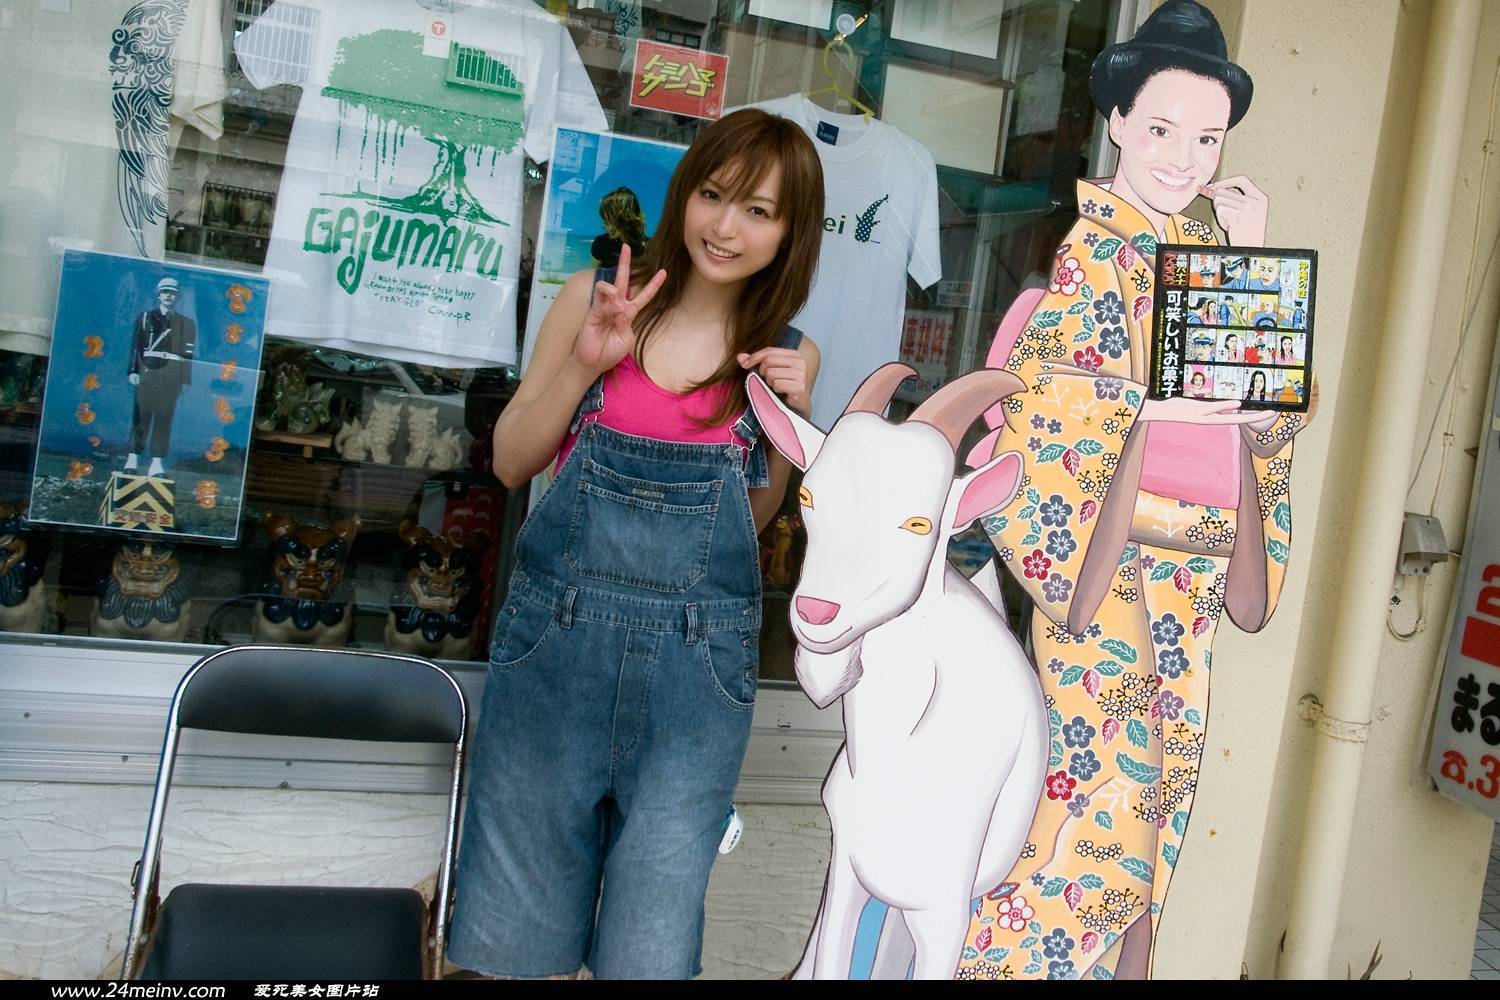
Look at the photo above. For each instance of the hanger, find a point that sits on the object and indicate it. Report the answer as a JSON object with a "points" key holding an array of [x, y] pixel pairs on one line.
{"points": [[837, 43]]}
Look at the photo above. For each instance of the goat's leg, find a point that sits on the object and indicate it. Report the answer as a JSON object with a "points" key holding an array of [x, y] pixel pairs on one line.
{"points": [[894, 953], [844, 899], [938, 934]]}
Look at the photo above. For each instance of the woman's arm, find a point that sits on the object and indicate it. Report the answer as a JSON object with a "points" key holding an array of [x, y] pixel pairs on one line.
{"points": [[791, 374], [579, 340], [532, 428]]}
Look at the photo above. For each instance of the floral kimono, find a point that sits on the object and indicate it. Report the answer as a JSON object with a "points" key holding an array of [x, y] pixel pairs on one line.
{"points": [[1132, 541]]}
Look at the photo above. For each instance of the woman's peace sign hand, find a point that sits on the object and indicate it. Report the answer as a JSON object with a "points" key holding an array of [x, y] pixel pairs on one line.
{"points": [[608, 334]]}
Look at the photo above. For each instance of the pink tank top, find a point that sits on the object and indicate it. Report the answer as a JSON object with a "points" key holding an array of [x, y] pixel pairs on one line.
{"points": [[633, 404]]}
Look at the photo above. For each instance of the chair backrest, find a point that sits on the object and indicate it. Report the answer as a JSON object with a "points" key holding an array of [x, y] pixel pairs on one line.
{"points": [[299, 691], [330, 693]]}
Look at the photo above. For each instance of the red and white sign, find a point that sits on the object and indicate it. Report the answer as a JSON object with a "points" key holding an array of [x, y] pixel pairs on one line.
{"points": [[1465, 761], [678, 80]]}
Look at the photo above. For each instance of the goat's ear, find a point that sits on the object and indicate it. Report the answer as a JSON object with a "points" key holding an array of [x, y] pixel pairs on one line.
{"points": [[989, 488], [793, 436]]}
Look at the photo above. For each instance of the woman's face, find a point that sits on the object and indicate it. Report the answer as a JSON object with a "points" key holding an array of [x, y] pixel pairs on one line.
{"points": [[1171, 141], [730, 240], [1258, 382], [1286, 345], [1231, 343]]}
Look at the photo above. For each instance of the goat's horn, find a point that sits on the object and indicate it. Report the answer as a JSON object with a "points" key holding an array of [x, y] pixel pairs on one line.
{"points": [[875, 392], [956, 405]]}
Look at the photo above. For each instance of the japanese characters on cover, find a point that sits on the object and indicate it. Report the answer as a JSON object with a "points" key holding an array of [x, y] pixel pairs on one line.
{"points": [[1234, 323]]}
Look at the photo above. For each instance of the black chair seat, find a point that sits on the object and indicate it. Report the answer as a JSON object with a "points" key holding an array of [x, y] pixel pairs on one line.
{"points": [[287, 933]]}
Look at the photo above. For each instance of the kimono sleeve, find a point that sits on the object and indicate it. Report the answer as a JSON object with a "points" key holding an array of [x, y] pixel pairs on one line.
{"points": [[1072, 425]]}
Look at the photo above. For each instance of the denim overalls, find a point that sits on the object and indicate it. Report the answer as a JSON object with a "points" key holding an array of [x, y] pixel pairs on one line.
{"points": [[616, 712]]}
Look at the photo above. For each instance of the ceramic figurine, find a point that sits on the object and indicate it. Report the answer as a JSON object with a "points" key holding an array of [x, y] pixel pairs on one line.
{"points": [[373, 439], [305, 601], [23, 603], [144, 595], [421, 435], [433, 615], [295, 404]]}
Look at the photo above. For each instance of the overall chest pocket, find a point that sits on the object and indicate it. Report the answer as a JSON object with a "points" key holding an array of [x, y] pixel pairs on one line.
{"points": [[639, 532]]}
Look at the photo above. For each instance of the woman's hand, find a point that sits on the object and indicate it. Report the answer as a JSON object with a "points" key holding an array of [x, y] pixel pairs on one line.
{"points": [[1240, 209], [1182, 410], [785, 371], [608, 333]]}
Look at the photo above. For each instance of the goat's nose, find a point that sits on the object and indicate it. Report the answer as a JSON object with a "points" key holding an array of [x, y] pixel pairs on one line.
{"points": [[815, 611]]}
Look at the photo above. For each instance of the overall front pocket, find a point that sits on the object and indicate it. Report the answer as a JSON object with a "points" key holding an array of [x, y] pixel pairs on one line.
{"points": [[639, 532], [521, 629]]}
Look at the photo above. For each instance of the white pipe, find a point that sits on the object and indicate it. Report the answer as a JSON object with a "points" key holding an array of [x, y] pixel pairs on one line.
{"points": [[1380, 491]]}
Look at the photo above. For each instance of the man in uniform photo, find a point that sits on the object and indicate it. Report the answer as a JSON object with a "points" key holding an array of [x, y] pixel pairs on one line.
{"points": [[161, 356]]}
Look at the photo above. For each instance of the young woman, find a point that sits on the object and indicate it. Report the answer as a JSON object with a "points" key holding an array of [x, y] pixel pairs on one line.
{"points": [[1286, 355], [1232, 350], [624, 226], [1133, 571], [624, 660], [1257, 389]]}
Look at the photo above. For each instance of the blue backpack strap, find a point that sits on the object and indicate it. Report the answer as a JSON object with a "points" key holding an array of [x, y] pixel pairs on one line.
{"points": [[593, 400], [747, 428]]}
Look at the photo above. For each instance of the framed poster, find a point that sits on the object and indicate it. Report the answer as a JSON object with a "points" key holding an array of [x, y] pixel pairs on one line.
{"points": [[603, 190], [1232, 323], [150, 389]]}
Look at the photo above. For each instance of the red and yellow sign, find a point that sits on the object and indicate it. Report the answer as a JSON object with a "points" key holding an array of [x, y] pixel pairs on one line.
{"points": [[678, 80]]}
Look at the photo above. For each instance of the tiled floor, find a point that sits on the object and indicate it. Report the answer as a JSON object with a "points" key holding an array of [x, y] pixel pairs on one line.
{"points": [[1487, 938]]}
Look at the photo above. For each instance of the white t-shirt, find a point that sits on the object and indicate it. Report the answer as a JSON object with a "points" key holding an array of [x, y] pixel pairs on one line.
{"points": [[72, 174], [397, 229], [881, 223]]}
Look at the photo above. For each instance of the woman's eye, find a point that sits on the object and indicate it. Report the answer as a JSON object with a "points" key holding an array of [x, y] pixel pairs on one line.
{"points": [[710, 194], [804, 497], [757, 210], [1208, 140], [917, 525], [1158, 131]]}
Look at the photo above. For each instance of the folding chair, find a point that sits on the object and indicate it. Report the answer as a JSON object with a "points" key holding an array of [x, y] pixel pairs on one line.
{"points": [[299, 932]]}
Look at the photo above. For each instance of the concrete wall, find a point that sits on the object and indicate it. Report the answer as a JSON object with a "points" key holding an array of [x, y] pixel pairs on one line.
{"points": [[1328, 138]]}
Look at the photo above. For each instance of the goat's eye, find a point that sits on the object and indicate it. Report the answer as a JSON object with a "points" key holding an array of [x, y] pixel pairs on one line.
{"points": [[804, 497], [917, 525]]}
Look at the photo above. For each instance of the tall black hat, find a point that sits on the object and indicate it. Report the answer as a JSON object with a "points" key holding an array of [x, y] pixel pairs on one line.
{"points": [[1180, 34]]}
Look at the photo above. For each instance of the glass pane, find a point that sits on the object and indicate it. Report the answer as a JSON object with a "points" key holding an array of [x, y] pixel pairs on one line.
{"points": [[283, 262]]}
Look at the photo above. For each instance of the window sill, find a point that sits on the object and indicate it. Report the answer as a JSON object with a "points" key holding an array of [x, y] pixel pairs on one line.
{"points": [[78, 709]]}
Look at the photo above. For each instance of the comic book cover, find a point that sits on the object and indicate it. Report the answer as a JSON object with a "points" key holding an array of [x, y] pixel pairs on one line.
{"points": [[1234, 323]]}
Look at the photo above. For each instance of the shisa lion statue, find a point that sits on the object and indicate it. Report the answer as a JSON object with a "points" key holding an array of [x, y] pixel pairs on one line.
{"points": [[305, 601], [144, 595]]}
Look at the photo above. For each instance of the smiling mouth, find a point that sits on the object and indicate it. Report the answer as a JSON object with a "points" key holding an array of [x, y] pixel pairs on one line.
{"points": [[719, 252], [830, 639], [1171, 181]]}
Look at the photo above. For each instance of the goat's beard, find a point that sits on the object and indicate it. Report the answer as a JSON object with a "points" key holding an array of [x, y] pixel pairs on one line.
{"points": [[825, 678]]}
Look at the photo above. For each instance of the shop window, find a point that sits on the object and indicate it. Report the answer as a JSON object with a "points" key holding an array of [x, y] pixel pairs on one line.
{"points": [[328, 468]]}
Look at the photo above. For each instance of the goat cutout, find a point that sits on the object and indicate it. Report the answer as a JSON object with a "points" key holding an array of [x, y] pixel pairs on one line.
{"points": [[989, 488], [781, 424], [917, 826]]}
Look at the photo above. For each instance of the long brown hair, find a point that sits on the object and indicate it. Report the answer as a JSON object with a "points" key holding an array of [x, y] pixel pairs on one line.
{"points": [[742, 148]]}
